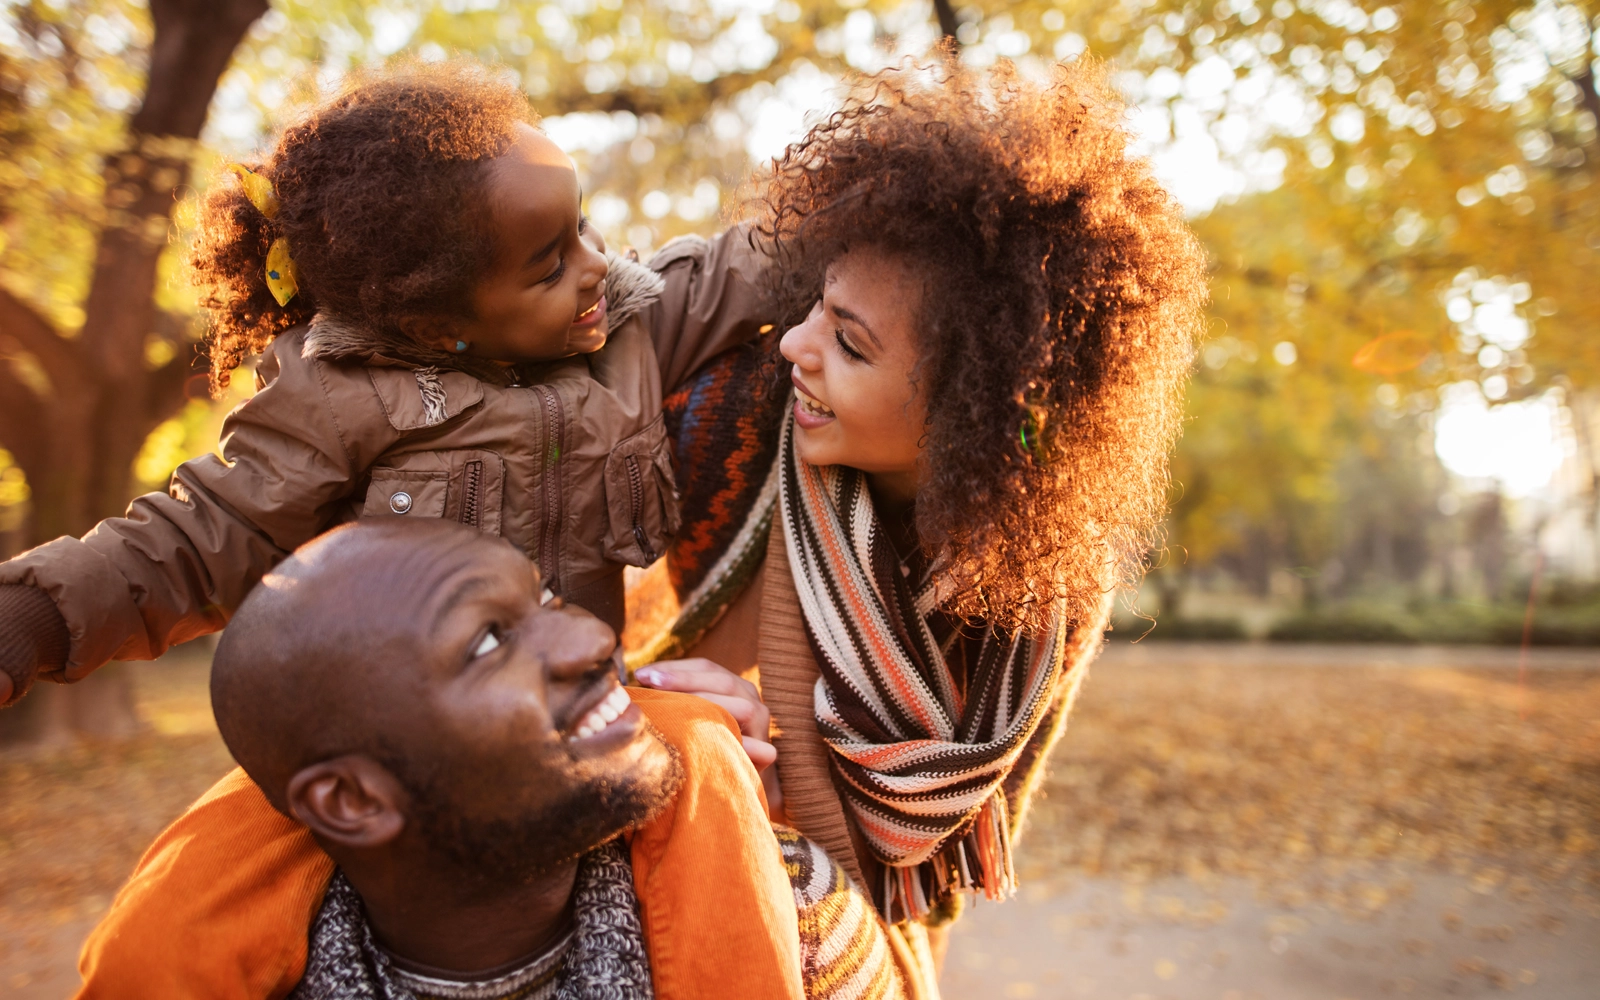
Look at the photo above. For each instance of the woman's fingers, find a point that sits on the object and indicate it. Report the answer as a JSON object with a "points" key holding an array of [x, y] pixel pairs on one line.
{"points": [[752, 716], [762, 754], [715, 684], [696, 675]]}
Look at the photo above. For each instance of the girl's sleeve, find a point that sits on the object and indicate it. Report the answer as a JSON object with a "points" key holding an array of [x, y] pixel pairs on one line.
{"points": [[712, 301], [177, 563]]}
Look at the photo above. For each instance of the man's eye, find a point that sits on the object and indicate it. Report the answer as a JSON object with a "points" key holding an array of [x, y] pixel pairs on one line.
{"points": [[488, 644]]}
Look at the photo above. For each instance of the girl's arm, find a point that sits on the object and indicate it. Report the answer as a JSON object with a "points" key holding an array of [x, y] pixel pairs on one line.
{"points": [[712, 301], [177, 563]]}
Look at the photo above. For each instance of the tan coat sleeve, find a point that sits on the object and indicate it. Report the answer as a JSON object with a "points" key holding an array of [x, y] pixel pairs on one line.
{"points": [[712, 301], [177, 564]]}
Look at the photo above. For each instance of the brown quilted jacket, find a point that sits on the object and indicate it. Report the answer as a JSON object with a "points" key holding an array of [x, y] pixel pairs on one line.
{"points": [[567, 460]]}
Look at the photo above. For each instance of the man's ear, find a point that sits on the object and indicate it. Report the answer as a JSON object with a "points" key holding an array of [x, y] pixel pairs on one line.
{"points": [[352, 801], [434, 331]]}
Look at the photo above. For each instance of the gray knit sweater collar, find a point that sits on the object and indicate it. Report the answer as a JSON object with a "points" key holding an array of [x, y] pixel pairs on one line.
{"points": [[606, 960]]}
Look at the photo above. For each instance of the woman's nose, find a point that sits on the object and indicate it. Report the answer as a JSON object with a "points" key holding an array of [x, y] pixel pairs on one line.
{"points": [[797, 346]]}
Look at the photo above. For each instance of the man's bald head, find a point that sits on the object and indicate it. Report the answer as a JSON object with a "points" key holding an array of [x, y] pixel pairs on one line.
{"points": [[402, 687], [321, 658]]}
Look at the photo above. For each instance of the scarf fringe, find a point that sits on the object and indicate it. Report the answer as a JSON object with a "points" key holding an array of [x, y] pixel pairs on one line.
{"points": [[977, 861]]}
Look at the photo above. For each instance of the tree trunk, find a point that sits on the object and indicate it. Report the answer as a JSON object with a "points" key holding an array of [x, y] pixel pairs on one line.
{"points": [[76, 445]]}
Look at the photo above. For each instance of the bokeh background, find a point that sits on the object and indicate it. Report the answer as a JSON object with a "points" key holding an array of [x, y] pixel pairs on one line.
{"points": [[1354, 750]]}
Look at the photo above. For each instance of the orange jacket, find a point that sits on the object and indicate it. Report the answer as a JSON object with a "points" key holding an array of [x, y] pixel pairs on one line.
{"points": [[220, 905]]}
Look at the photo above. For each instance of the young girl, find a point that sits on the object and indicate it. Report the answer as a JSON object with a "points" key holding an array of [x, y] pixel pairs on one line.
{"points": [[442, 335]]}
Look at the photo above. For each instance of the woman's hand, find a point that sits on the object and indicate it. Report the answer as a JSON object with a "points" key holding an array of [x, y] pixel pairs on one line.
{"points": [[715, 684]]}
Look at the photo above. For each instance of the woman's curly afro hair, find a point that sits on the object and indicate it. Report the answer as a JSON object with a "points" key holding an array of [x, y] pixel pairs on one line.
{"points": [[1063, 297], [380, 194]]}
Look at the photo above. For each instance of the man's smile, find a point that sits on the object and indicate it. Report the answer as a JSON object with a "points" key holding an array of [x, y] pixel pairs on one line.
{"points": [[600, 713]]}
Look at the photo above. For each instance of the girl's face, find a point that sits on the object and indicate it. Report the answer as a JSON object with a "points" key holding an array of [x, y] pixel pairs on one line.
{"points": [[545, 297], [854, 355]]}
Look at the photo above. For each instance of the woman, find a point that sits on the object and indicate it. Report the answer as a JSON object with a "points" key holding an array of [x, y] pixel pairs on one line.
{"points": [[972, 458]]}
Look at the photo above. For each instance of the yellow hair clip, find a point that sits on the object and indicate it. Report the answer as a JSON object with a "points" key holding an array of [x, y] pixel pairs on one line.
{"points": [[258, 189], [282, 281]]}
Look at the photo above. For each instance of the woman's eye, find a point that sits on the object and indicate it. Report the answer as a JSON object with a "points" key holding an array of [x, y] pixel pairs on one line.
{"points": [[488, 644], [844, 345]]}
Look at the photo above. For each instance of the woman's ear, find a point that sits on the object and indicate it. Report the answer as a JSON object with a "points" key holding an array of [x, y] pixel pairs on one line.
{"points": [[433, 331], [352, 801]]}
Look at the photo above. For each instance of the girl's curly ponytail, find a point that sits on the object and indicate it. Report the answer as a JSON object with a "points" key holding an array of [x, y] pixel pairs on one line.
{"points": [[228, 263]]}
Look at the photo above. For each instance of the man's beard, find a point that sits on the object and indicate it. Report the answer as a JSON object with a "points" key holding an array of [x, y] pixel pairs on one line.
{"points": [[496, 851]]}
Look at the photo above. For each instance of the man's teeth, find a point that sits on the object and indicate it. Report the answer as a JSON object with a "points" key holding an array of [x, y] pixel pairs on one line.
{"points": [[811, 404], [603, 714]]}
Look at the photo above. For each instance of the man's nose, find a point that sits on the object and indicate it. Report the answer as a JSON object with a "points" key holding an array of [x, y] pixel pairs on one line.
{"points": [[575, 642]]}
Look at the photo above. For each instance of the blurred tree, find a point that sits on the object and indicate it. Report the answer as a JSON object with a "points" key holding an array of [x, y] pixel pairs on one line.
{"points": [[1407, 201], [88, 190]]}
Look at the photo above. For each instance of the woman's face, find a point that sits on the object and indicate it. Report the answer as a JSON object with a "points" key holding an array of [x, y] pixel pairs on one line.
{"points": [[853, 357]]}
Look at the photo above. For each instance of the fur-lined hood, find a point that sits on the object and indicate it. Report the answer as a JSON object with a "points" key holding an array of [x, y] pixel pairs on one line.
{"points": [[630, 287]]}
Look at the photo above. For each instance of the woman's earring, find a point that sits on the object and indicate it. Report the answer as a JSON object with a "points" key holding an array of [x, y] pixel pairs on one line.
{"points": [[461, 347]]}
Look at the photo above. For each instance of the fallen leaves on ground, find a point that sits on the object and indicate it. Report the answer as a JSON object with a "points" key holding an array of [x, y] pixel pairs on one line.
{"points": [[1302, 779]]}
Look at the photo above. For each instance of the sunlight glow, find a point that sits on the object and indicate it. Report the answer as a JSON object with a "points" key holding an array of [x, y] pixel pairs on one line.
{"points": [[1519, 444]]}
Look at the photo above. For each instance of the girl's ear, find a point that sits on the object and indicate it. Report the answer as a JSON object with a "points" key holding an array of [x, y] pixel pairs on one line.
{"points": [[432, 331], [352, 801]]}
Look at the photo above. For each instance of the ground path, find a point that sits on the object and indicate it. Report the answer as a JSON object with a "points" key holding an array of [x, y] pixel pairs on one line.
{"points": [[1230, 822]]}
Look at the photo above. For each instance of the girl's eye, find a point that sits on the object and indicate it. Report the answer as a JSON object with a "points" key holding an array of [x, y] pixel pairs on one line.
{"points": [[555, 276], [844, 345], [583, 223], [489, 643]]}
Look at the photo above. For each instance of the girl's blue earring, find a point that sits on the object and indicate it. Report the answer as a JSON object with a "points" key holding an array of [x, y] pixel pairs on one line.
{"points": [[461, 347]]}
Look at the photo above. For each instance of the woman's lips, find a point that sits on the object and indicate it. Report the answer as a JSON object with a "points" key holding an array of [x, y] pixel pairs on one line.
{"points": [[592, 315], [809, 411]]}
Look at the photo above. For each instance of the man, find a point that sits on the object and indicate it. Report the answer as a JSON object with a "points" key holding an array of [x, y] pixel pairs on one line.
{"points": [[464, 755]]}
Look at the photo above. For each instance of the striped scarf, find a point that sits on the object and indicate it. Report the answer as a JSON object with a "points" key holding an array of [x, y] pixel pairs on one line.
{"points": [[923, 755]]}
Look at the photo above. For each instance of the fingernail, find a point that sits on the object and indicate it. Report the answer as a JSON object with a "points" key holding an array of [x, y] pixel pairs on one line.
{"points": [[648, 675]]}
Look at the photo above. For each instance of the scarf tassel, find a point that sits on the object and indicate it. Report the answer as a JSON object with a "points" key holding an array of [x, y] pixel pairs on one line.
{"points": [[980, 860]]}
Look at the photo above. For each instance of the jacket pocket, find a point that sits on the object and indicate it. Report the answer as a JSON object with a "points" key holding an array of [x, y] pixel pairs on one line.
{"points": [[641, 497], [413, 493], [465, 486]]}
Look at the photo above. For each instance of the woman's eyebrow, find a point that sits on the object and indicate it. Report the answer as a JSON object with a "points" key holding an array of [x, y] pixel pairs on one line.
{"points": [[845, 314]]}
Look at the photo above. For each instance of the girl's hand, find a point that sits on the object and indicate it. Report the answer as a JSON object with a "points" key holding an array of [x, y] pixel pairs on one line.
{"points": [[715, 684]]}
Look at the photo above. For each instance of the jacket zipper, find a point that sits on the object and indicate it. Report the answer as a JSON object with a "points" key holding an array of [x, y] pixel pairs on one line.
{"points": [[472, 494], [636, 489], [549, 540]]}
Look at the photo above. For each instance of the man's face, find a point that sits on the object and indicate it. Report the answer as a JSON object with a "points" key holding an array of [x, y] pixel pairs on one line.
{"points": [[520, 748]]}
